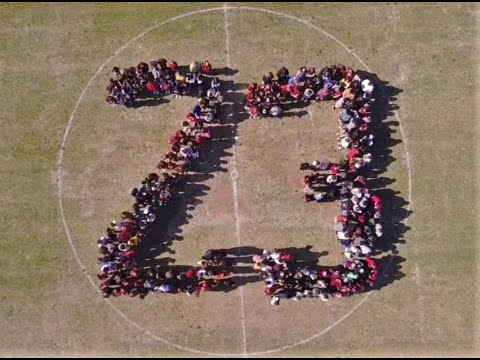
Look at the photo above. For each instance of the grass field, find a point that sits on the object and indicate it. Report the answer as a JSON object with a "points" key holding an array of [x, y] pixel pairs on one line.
{"points": [[49, 55]]}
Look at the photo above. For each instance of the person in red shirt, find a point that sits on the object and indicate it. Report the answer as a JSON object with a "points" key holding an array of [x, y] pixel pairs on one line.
{"points": [[154, 88], [207, 68], [297, 93], [355, 152], [337, 93], [377, 202], [180, 134], [191, 274], [362, 219], [130, 254], [173, 65], [374, 275], [286, 89], [350, 74], [204, 285], [336, 283], [250, 97], [287, 258], [254, 112], [371, 263], [192, 119], [224, 274], [224, 278], [174, 141], [126, 232], [271, 290], [360, 180], [335, 169]]}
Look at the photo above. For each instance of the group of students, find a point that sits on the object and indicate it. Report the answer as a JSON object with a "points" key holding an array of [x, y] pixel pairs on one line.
{"points": [[161, 77], [359, 226], [210, 274], [335, 82], [120, 273], [191, 281], [284, 279]]}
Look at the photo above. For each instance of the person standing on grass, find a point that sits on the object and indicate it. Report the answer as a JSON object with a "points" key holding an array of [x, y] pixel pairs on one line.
{"points": [[154, 88], [207, 68]]}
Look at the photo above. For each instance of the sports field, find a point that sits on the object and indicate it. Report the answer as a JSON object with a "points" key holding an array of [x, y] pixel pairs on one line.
{"points": [[69, 160]]}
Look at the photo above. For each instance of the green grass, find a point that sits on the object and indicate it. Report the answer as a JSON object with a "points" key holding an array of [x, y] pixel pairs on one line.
{"points": [[48, 54]]}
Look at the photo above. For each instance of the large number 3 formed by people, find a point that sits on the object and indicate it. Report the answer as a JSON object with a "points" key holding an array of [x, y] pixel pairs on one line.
{"points": [[357, 227]]}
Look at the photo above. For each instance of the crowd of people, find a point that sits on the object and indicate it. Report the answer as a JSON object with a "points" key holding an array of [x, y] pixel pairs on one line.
{"points": [[120, 272], [162, 77], [284, 279], [335, 82], [359, 226]]}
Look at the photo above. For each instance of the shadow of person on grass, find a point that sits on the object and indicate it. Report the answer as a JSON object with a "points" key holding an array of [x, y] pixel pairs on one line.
{"points": [[150, 102], [391, 271]]}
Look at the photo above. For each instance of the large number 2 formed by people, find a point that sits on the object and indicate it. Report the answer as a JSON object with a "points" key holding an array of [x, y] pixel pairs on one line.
{"points": [[357, 227]]}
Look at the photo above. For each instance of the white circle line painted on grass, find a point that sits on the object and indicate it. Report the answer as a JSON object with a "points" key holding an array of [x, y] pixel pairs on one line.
{"points": [[62, 154], [234, 174]]}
